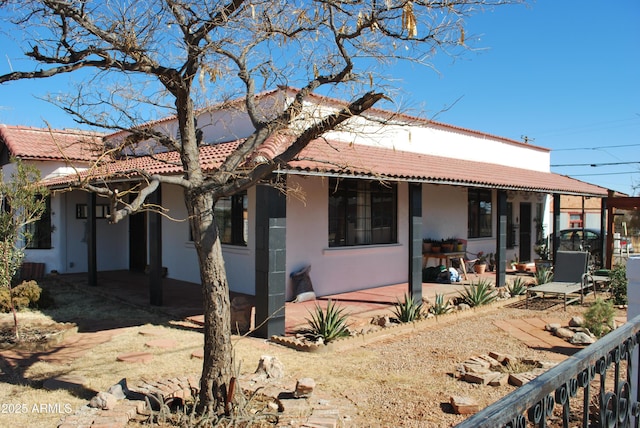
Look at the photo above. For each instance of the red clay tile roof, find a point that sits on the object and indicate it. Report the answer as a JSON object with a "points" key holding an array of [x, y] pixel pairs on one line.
{"points": [[44, 144], [338, 158]]}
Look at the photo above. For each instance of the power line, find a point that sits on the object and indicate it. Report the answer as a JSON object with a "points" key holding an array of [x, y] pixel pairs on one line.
{"points": [[606, 173], [595, 148], [596, 164]]}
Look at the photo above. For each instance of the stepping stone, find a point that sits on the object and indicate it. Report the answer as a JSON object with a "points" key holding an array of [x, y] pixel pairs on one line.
{"points": [[199, 354], [68, 382], [196, 319], [162, 343], [463, 405], [149, 332], [135, 357]]}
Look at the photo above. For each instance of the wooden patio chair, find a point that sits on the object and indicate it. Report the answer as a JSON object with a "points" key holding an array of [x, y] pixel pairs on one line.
{"points": [[570, 278]]}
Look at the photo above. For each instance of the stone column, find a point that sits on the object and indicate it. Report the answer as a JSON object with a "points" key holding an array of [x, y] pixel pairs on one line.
{"points": [[271, 278], [415, 241]]}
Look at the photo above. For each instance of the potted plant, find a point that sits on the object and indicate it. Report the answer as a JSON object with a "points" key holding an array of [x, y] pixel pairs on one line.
{"points": [[491, 262], [542, 250], [436, 246], [427, 245], [459, 245], [480, 264], [447, 245]]}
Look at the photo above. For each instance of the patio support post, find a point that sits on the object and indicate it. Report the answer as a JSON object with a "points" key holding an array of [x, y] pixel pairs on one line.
{"points": [[501, 241], [555, 226], [155, 251], [604, 234], [92, 264], [271, 278], [415, 241]]}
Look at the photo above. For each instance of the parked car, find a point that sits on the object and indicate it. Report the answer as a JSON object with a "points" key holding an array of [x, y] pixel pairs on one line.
{"points": [[582, 240]]}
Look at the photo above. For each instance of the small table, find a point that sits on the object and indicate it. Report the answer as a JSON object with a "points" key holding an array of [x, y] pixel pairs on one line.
{"points": [[459, 255]]}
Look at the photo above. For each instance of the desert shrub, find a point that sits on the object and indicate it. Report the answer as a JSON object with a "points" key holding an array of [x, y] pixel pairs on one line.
{"points": [[517, 287], [478, 293], [543, 275], [618, 284], [409, 310], [599, 317], [441, 306], [25, 295], [327, 325]]}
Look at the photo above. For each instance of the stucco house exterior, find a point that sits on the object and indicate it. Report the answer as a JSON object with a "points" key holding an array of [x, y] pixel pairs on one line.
{"points": [[361, 199]]}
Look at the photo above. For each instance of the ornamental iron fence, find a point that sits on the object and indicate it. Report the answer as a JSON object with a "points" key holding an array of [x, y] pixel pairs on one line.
{"points": [[596, 387]]}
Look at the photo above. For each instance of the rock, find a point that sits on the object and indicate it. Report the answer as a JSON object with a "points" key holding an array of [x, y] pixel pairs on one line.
{"points": [[104, 401], [304, 387], [581, 338], [480, 378], [552, 327], [382, 321], [463, 405], [119, 390], [564, 333], [501, 380], [463, 307], [270, 367], [576, 321]]}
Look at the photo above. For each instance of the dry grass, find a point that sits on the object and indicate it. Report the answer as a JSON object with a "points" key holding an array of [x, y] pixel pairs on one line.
{"points": [[400, 380]]}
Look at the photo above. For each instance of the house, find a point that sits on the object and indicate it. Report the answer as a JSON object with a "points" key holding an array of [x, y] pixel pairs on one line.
{"points": [[361, 200]]}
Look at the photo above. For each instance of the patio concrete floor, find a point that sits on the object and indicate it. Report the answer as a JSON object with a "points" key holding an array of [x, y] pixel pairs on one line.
{"points": [[183, 300]]}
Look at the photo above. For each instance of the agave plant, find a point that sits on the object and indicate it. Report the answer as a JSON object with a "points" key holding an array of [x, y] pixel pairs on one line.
{"points": [[440, 307], [543, 275], [409, 310], [328, 325], [478, 293], [518, 287]]}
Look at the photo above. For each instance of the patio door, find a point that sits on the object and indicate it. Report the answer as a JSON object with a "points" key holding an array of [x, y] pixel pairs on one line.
{"points": [[525, 232], [137, 242]]}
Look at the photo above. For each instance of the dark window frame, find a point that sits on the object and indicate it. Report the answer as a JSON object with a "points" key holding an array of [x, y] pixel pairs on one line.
{"points": [[362, 212], [41, 229], [480, 213], [232, 219]]}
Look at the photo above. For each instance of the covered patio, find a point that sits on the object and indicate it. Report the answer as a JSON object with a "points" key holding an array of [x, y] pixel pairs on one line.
{"points": [[183, 300]]}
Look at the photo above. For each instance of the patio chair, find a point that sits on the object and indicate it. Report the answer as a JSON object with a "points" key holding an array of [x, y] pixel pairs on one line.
{"points": [[570, 278]]}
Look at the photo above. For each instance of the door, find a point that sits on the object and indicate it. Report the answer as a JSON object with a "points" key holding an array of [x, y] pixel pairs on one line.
{"points": [[525, 231], [137, 242]]}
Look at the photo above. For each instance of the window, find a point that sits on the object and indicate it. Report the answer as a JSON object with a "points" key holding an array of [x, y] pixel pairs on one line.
{"points": [[362, 213], [231, 216], [575, 220], [102, 211], [41, 230], [480, 225]]}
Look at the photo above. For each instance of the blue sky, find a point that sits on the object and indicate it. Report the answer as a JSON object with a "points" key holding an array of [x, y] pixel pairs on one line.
{"points": [[564, 73]]}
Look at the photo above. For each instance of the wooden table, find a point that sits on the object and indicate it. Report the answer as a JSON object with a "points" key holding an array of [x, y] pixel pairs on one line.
{"points": [[447, 257]]}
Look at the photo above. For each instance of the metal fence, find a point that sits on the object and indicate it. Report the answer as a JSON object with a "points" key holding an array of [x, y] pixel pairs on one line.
{"points": [[596, 387]]}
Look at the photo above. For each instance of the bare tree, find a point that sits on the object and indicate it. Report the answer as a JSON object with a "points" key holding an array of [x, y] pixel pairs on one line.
{"points": [[138, 61]]}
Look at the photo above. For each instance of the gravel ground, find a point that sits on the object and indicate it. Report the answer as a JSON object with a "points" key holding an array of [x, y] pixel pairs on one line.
{"points": [[405, 380]]}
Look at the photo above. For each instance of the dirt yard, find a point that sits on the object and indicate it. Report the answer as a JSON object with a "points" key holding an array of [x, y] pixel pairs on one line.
{"points": [[402, 379]]}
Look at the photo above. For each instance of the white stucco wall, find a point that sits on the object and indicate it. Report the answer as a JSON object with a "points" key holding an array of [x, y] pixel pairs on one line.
{"points": [[179, 255], [336, 270]]}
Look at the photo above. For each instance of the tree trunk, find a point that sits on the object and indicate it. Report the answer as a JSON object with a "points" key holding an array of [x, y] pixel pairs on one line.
{"points": [[218, 356]]}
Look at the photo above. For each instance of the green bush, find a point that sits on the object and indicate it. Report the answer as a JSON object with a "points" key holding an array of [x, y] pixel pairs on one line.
{"points": [[599, 317], [25, 295], [440, 307], [543, 275], [478, 293], [618, 284], [518, 287], [409, 310], [328, 325]]}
